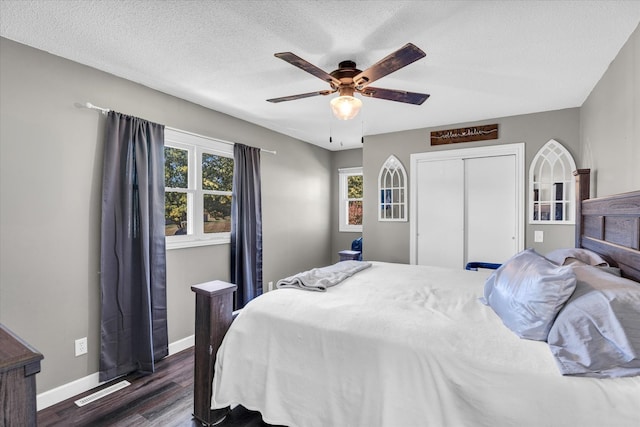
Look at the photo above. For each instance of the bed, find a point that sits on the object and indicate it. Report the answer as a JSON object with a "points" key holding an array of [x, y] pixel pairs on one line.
{"points": [[406, 345]]}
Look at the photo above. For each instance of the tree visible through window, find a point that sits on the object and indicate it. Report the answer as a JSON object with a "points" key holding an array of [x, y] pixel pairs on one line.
{"points": [[351, 194], [176, 181], [354, 194], [198, 189], [217, 179]]}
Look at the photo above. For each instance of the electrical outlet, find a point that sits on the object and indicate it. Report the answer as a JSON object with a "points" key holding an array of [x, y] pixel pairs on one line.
{"points": [[81, 346], [270, 286], [538, 236]]}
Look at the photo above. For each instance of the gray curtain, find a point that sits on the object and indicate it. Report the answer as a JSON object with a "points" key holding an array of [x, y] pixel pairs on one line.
{"points": [[246, 225], [133, 261]]}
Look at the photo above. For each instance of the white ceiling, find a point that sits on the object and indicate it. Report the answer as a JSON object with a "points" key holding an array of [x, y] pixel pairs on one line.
{"points": [[485, 59]]}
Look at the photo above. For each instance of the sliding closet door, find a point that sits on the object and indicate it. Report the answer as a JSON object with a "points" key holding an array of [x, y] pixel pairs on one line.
{"points": [[440, 233], [490, 208], [467, 205]]}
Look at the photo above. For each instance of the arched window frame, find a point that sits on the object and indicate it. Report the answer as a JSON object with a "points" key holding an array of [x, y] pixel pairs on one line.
{"points": [[392, 188], [551, 186]]}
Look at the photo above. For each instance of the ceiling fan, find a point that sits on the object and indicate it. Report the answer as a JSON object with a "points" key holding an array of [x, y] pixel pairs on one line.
{"points": [[347, 80]]}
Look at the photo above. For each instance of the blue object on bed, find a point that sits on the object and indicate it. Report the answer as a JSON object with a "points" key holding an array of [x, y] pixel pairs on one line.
{"points": [[474, 266]]}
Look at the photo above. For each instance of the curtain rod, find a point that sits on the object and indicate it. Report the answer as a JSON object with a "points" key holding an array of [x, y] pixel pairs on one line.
{"points": [[106, 110]]}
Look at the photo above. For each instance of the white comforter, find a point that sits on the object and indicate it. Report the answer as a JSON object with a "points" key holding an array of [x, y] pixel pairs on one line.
{"points": [[400, 345]]}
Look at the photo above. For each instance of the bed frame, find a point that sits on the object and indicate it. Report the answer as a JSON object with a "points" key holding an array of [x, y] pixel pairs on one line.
{"points": [[609, 226], [214, 315]]}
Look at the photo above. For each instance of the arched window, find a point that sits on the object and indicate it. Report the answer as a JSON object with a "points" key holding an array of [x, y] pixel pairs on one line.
{"points": [[392, 184], [551, 186]]}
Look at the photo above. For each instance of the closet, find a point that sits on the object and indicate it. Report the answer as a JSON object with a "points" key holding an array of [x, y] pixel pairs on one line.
{"points": [[467, 205]]}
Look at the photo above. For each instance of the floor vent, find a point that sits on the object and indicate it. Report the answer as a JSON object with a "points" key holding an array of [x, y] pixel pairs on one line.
{"points": [[102, 393]]}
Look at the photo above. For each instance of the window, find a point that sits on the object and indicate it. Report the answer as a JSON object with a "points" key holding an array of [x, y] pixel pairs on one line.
{"points": [[198, 184], [551, 186], [393, 194], [351, 199]]}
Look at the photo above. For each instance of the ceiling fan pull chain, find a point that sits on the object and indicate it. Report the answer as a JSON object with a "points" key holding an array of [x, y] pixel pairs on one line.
{"points": [[330, 131]]}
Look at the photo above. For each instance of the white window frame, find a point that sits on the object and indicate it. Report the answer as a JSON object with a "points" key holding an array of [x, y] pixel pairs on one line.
{"points": [[552, 157], [196, 145], [344, 174], [392, 168]]}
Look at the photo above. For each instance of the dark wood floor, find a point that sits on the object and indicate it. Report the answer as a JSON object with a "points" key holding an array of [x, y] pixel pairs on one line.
{"points": [[164, 398]]}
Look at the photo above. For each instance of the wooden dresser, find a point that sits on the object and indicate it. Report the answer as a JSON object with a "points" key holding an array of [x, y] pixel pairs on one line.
{"points": [[19, 364]]}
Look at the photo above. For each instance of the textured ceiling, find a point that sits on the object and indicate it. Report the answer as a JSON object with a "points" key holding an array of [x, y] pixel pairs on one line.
{"points": [[485, 59]]}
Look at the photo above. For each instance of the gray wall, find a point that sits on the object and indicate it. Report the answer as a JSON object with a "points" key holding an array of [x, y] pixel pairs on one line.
{"points": [[341, 240], [610, 124], [50, 184], [389, 241]]}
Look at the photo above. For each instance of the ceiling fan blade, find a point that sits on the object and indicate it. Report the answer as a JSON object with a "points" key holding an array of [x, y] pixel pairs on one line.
{"points": [[302, 95], [395, 95], [400, 58], [294, 59]]}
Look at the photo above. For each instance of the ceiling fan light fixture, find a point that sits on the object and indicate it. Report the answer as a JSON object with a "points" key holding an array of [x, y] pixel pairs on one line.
{"points": [[345, 107]]}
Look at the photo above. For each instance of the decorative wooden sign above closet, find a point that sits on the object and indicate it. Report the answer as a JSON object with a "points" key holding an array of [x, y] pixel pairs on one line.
{"points": [[474, 133]]}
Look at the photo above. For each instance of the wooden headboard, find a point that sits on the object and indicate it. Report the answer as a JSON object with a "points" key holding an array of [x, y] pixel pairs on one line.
{"points": [[609, 226]]}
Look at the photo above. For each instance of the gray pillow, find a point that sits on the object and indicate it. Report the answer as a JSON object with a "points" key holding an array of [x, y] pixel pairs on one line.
{"points": [[564, 256], [527, 292], [573, 262], [597, 333]]}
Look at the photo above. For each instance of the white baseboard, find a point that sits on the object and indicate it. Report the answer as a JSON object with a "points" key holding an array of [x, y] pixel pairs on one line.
{"points": [[65, 391], [183, 344]]}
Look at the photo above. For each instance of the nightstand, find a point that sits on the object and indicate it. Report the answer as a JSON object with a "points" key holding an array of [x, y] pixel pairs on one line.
{"points": [[349, 255]]}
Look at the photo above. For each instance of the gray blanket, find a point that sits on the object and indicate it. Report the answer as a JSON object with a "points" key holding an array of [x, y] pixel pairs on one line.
{"points": [[319, 279]]}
